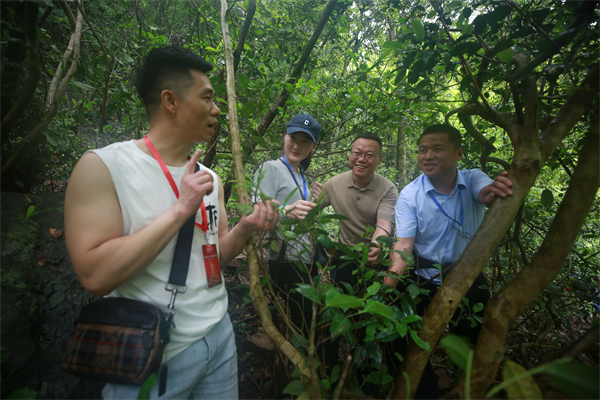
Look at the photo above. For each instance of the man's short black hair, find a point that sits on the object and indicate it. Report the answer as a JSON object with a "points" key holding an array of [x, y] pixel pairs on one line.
{"points": [[167, 68], [454, 136], [371, 136]]}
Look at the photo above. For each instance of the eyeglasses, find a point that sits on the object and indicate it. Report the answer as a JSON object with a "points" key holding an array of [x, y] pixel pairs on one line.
{"points": [[462, 234], [368, 156]]}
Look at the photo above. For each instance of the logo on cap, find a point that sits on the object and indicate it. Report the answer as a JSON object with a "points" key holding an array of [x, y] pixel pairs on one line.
{"points": [[306, 122]]}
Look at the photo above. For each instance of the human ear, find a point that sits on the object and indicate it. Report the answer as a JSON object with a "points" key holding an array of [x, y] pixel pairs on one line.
{"points": [[169, 100], [459, 154]]}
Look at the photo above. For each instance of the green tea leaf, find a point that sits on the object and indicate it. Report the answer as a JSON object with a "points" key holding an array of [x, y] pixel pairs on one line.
{"points": [[245, 209], [309, 292], [576, 380], [294, 388], [23, 393], [424, 345], [331, 294], [547, 198], [418, 29], [525, 388], [264, 280], [411, 318], [375, 307], [343, 300], [390, 44], [373, 289], [506, 55], [82, 85], [339, 325], [457, 349], [149, 383], [413, 290]]}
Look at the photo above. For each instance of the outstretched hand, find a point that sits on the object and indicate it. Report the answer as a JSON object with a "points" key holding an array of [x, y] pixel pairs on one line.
{"points": [[194, 186], [500, 187]]}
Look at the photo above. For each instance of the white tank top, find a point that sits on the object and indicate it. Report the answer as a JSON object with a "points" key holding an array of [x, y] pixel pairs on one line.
{"points": [[144, 193]]}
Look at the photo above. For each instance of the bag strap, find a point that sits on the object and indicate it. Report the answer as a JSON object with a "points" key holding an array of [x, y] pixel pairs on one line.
{"points": [[282, 251], [183, 249]]}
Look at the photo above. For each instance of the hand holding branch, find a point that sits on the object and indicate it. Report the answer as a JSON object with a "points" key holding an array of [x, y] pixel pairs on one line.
{"points": [[299, 210], [500, 187]]}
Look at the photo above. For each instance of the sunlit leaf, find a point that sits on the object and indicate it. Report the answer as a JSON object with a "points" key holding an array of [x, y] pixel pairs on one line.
{"points": [[525, 388], [506, 55], [418, 29]]}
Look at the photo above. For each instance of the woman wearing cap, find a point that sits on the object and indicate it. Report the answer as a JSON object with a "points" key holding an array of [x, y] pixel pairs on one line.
{"points": [[280, 178]]}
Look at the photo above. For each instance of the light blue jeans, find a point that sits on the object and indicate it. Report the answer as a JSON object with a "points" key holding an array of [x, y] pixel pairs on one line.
{"points": [[205, 370]]}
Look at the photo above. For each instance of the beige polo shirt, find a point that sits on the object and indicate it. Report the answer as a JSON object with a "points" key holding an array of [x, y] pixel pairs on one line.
{"points": [[363, 207]]}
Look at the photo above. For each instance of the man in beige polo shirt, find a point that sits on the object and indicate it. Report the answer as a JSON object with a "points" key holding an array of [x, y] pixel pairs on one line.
{"points": [[366, 198]]}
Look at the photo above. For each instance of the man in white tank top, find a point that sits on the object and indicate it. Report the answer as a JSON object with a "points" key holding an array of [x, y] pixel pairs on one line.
{"points": [[122, 217]]}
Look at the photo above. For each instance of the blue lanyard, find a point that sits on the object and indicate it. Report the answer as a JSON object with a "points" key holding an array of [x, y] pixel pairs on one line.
{"points": [[444, 211], [294, 176]]}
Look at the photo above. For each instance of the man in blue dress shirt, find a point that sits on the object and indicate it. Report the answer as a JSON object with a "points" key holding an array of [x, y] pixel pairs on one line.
{"points": [[439, 212]]}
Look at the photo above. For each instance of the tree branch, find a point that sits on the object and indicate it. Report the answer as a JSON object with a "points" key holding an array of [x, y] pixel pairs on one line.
{"points": [[576, 348], [285, 94], [65, 7], [238, 168], [570, 112], [246, 28], [503, 121], [488, 147], [106, 75], [23, 146]]}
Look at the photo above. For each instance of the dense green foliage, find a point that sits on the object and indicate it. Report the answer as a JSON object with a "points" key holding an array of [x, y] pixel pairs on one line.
{"points": [[388, 66]]}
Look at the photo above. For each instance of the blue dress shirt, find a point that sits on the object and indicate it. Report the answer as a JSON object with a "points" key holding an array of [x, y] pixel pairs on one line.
{"points": [[439, 236]]}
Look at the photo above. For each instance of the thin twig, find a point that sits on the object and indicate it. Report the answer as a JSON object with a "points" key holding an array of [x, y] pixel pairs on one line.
{"points": [[347, 365]]}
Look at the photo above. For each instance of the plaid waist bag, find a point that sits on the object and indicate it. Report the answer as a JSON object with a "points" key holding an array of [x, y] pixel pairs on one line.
{"points": [[117, 340]]}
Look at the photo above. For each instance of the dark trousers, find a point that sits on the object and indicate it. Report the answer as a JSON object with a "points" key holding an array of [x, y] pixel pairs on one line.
{"points": [[285, 275], [428, 387]]}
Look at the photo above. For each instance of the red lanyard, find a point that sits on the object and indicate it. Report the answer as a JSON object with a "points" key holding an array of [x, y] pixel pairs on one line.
{"points": [[167, 173]]}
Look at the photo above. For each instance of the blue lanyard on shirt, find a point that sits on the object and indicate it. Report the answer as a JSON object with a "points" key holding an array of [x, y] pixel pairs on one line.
{"points": [[444, 211], [294, 176]]}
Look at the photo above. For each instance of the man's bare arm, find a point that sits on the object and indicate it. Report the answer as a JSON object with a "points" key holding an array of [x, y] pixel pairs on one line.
{"points": [[264, 218], [102, 257], [398, 265], [383, 228]]}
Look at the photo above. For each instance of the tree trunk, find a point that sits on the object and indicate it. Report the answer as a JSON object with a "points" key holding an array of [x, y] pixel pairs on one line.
{"points": [[544, 266], [531, 151]]}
